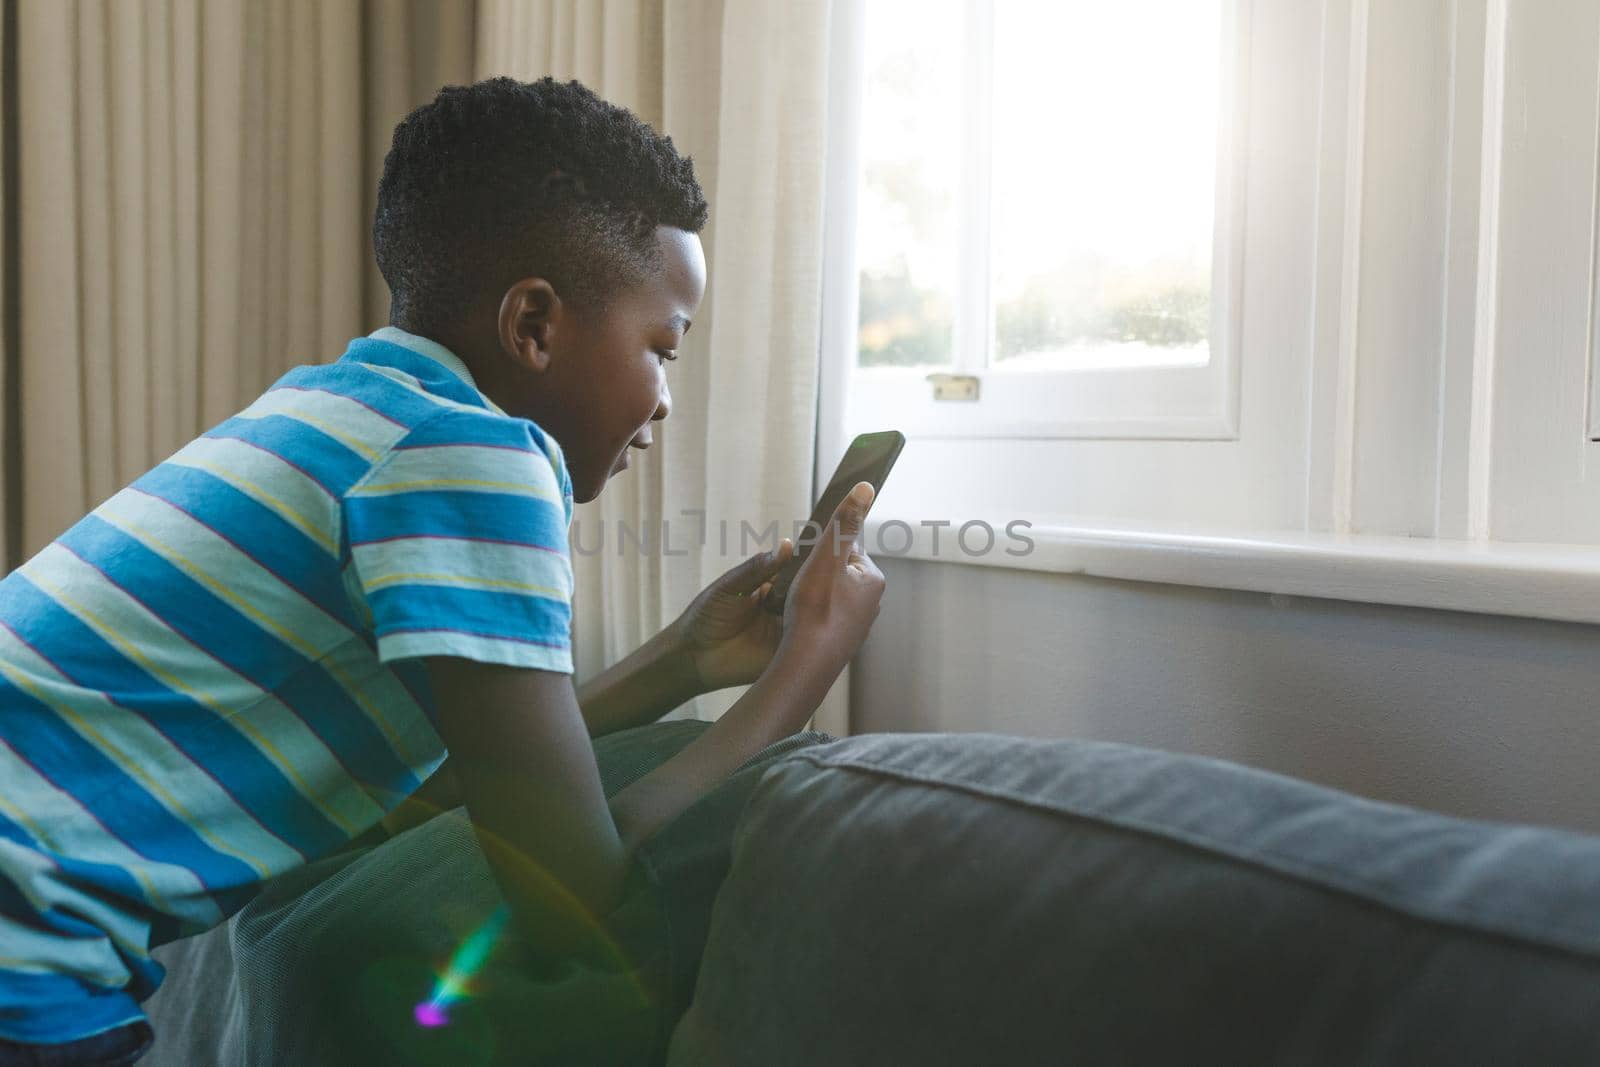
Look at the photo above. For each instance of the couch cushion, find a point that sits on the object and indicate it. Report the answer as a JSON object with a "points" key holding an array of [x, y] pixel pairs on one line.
{"points": [[983, 899]]}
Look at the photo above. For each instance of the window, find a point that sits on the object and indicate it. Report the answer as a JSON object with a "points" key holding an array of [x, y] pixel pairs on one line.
{"points": [[1045, 202]]}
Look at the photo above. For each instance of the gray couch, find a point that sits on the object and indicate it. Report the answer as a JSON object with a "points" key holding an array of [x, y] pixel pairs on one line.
{"points": [[930, 899], [981, 899]]}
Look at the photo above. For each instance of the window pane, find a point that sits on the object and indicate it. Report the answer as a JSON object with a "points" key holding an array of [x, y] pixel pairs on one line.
{"points": [[1105, 139], [906, 237]]}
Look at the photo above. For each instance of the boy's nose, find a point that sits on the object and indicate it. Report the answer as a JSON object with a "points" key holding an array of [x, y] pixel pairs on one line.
{"points": [[664, 408]]}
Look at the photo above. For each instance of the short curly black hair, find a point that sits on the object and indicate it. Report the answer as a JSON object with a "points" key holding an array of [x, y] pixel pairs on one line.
{"points": [[503, 180]]}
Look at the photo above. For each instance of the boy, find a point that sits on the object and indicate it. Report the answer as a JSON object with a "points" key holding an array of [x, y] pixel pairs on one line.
{"points": [[250, 656]]}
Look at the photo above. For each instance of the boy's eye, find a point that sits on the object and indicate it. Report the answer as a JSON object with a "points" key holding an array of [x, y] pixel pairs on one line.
{"points": [[666, 353]]}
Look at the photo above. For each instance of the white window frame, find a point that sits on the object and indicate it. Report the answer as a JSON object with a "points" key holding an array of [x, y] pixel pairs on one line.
{"points": [[1194, 403]]}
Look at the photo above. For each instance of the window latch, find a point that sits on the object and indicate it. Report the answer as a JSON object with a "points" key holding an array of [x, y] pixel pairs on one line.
{"points": [[961, 388]]}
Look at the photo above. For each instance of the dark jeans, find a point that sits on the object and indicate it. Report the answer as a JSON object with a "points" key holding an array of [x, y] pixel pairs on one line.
{"points": [[114, 1048]]}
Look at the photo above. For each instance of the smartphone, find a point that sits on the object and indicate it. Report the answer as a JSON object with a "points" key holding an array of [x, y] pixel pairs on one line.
{"points": [[869, 458]]}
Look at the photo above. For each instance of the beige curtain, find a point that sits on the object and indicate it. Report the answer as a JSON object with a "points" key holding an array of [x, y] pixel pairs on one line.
{"points": [[196, 182], [10, 449], [741, 86]]}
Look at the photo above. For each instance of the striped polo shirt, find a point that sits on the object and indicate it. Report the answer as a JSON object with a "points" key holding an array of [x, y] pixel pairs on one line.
{"points": [[213, 677]]}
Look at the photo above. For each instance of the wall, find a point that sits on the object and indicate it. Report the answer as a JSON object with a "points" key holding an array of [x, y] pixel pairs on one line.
{"points": [[1476, 715]]}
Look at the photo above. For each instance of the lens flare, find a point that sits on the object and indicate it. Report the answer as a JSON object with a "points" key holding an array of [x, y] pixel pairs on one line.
{"points": [[429, 1015], [468, 960]]}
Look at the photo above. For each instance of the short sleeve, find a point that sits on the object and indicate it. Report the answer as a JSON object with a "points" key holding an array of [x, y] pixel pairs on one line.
{"points": [[458, 544]]}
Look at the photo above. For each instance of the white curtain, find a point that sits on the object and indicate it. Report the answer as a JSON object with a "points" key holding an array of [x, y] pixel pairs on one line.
{"points": [[742, 87]]}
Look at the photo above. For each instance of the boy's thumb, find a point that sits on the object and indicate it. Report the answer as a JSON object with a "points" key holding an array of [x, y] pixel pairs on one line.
{"points": [[854, 509]]}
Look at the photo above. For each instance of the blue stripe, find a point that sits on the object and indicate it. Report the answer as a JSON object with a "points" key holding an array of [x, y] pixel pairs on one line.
{"points": [[51, 1008], [10, 831], [22, 989], [119, 803], [470, 428], [435, 377], [209, 741], [245, 648], [326, 461], [255, 530], [509, 616], [356, 381], [518, 520]]}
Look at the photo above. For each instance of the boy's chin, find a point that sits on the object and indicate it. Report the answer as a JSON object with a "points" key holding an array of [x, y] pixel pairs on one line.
{"points": [[586, 488]]}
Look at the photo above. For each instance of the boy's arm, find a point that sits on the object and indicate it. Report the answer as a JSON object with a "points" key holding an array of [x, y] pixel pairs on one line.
{"points": [[522, 754], [526, 768], [722, 639], [641, 687], [527, 772], [638, 689]]}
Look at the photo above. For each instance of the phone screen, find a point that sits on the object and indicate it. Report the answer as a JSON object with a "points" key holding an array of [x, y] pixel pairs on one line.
{"points": [[868, 459]]}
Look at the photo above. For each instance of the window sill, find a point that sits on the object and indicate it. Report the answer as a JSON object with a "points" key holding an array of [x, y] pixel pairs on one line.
{"points": [[1542, 581]]}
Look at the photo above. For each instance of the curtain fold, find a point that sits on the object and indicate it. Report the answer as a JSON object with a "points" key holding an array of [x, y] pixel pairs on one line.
{"points": [[196, 181], [10, 442], [764, 342]]}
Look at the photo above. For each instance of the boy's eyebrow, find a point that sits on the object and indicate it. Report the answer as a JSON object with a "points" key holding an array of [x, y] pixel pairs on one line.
{"points": [[679, 322]]}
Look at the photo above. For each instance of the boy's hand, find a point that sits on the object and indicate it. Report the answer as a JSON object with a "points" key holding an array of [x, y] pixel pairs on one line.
{"points": [[835, 597], [728, 638]]}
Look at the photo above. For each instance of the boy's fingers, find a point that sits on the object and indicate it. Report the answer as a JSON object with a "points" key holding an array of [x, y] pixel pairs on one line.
{"points": [[845, 528], [759, 568]]}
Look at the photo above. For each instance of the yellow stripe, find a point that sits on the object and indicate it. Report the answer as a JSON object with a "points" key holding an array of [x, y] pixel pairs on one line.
{"points": [[521, 488], [239, 481], [455, 579], [285, 765]]}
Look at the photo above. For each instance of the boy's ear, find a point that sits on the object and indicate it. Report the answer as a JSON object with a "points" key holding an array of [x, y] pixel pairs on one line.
{"points": [[530, 313]]}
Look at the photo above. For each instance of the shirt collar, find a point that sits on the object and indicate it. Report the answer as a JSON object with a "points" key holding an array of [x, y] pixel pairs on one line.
{"points": [[435, 351]]}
